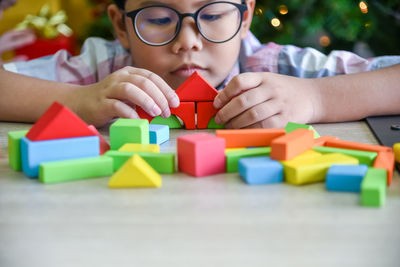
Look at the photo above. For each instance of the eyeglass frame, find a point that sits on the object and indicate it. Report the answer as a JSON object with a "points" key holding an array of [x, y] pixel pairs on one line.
{"points": [[242, 7]]}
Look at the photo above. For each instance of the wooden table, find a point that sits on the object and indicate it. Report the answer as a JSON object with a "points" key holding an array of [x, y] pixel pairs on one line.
{"points": [[212, 221]]}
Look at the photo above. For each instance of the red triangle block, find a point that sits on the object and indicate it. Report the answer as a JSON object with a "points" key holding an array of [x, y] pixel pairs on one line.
{"points": [[195, 88], [56, 123]]}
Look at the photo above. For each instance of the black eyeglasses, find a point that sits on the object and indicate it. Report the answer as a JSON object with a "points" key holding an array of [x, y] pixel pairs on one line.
{"points": [[217, 22]]}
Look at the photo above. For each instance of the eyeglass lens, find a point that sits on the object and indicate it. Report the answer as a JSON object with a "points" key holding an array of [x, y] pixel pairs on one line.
{"points": [[217, 22]]}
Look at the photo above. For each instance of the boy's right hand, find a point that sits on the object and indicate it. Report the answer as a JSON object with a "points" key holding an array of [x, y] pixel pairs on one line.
{"points": [[120, 92]]}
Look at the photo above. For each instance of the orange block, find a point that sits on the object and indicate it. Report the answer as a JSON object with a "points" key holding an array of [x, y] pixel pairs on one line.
{"points": [[249, 137], [385, 160], [292, 144], [357, 146], [321, 141], [205, 111]]}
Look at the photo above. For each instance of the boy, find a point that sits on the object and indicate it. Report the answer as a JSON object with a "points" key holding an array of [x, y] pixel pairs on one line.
{"points": [[164, 42]]}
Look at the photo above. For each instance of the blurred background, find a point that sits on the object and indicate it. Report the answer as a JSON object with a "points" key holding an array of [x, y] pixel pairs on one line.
{"points": [[368, 28]]}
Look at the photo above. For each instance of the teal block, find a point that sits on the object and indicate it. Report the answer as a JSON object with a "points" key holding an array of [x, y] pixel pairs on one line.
{"points": [[158, 133], [75, 169], [260, 170], [345, 178], [14, 150], [124, 131], [373, 188]]}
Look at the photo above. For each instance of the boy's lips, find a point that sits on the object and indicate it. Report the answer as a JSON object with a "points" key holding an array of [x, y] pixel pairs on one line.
{"points": [[186, 70]]}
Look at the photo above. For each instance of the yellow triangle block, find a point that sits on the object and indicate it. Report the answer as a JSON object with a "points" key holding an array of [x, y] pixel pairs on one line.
{"points": [[313, 169], [136, 172], [140, 148]]}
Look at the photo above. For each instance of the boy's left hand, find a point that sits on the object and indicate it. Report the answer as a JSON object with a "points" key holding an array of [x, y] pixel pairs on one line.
{"points": [[266, 100]]}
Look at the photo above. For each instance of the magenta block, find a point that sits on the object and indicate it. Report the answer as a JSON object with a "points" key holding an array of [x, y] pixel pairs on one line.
{"points": [[201, 154]]}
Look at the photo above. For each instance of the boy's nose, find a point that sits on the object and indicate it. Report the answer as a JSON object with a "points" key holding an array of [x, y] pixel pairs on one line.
{"points": [[189, 37]]}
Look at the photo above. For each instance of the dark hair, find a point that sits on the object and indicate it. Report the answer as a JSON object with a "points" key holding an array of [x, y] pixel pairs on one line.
{"points": [[120, 3]]}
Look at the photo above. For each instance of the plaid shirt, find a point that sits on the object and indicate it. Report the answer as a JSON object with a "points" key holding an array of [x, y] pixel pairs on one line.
{"points": [[99, 58]]}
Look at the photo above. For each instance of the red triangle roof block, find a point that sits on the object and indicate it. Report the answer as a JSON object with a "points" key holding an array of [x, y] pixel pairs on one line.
{"points": [[195, 88], [56, 123]]}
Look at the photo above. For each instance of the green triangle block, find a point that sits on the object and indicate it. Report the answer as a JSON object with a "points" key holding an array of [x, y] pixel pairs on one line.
{"points": [[172, 121], [213, 125], [291, 126]]}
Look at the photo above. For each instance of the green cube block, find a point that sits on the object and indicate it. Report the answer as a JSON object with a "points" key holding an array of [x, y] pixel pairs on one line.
{"points": [[373, 188], [161, 162], [232, 157], [129, 131], [75, 169], [14, 152], [364, 157], [291, 126]]}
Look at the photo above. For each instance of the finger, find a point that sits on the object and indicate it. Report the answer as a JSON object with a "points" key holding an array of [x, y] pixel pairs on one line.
{"points": [[238, 84], [134, 94], [117, 108], [241, 103], [16, 39], [275, 121], [168, 92], [255, 114]]}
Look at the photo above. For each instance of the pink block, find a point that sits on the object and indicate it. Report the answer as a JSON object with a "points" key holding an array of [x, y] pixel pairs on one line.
{"points": [[201, 154], [104, 145]]}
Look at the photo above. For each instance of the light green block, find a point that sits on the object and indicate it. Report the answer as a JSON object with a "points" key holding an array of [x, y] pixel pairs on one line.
{"points": [[373, 188], [213, 125], [129, 131], [14, 152], [232, 157], [172, 121], [291, 126], [161, 162], [364, 157], [75, 169]]}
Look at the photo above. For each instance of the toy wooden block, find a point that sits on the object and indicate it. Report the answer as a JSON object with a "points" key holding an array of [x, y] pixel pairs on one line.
{"points": [[129, 131], [356, 146], [161, 162], [345, 178], [201, 154], [195, 88], [136, 172], [396, 150], [104, 145], [158, 133], [232, 157], [213, 125], [314, 170], [35, 152], [172, 121], [321, 141], [58, 122], [205, 113], [291, 126], [260, 170], [140, 148], [75, 169], [187, 113], [373, 188], [292, 144], [249, 137], [364, 157], [385, 160], [14, 151]]}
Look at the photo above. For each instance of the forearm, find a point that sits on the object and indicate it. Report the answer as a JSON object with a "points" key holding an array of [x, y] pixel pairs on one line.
{"points": [[24, 99], [356, 96]]}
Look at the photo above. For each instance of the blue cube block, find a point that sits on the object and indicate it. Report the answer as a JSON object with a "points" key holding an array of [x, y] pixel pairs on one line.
{"points": [[158, 133], [35, 152], [345, 178], [260, 170]]}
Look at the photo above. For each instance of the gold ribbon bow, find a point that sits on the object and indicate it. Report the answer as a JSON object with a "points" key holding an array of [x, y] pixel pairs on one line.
{"points": [[47, 25]]}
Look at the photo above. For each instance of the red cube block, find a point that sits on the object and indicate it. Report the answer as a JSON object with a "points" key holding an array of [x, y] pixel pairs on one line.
{"points": [[201, 154]]}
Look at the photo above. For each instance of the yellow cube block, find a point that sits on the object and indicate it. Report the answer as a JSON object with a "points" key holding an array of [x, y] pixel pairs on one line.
{"points": [[396, 150], [313, 169], [130, 147]]}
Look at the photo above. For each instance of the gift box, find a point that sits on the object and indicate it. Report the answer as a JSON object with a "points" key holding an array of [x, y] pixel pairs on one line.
{"points": [[44, 47]]}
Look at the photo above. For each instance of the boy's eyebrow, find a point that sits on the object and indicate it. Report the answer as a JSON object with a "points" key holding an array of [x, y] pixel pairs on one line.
{"points": [[150, 3]]}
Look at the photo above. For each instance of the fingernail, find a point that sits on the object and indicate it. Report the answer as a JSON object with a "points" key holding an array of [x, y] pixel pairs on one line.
{"points": [[175, 101], [166, 113], [155, 111], [217, 103]]}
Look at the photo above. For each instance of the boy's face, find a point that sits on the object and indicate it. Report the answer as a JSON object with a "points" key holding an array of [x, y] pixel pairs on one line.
{"points": [[188, 52]]}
